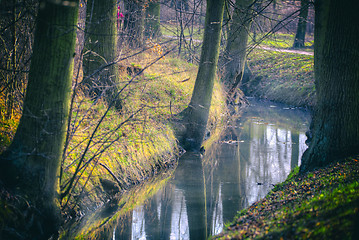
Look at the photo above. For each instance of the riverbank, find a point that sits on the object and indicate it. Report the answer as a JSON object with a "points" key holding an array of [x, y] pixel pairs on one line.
{"points": [[146, 140], [322, 204], [118, 148], [280, 76]]}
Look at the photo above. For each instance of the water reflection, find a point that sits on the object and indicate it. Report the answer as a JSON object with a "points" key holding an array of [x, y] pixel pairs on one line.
{"points": [[254, 153]]}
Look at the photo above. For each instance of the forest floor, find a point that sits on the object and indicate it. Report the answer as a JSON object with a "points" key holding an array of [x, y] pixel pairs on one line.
{"points": [[323, 204]]}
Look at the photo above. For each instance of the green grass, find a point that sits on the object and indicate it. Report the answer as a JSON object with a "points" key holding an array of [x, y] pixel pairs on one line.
{"points": [[135, 150], [282, 77], [319, 205], [280, 40], [147, 140]]}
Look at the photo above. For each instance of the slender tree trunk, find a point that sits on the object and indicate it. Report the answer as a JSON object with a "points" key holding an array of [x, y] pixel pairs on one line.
{"points": [[237, 45], [152, 20], [197, 112], [134, 22], [100, 76], [302, 25], [31, 164], [335, 125]]}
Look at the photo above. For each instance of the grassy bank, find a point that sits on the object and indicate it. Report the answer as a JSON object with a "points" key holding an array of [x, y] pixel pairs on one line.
{"points": [[131, 143], [284, 77], [323, 204]]}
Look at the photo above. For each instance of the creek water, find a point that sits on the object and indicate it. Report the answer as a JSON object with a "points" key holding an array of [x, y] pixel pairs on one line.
{"points": [[254, 152]]}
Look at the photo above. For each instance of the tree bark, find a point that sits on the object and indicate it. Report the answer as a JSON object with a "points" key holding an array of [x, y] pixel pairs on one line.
{"points": [[335, 125], [237, 46], [302, 25], [134, 22], [237, 41], [100, 76], [31, 164], [197, 111], [152, 20]]}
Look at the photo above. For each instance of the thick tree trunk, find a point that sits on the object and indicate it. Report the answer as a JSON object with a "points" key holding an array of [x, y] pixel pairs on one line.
{"points": [[100, 76], [31, 164], [198, 109], [302, 25], [336, 120], [152, 20], [237, 45]]}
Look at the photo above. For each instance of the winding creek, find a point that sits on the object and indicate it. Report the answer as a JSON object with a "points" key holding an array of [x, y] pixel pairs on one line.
{"points": [[253, 153]]}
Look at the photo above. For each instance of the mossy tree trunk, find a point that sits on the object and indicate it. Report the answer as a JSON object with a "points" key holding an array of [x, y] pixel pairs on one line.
{"points": [[30, 166], [335, 126], [196, 114], [302, 25], [237, 45], [152, 19], [100, 72], [134, 22]]}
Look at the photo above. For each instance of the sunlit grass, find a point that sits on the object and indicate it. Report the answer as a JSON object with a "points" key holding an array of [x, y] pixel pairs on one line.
{"points": [[278, 40], [132, 142], [146, 140], [283, 77]]}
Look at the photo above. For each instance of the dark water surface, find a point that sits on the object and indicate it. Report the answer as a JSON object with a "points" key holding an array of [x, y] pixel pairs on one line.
{"points": [[255, 152]]}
